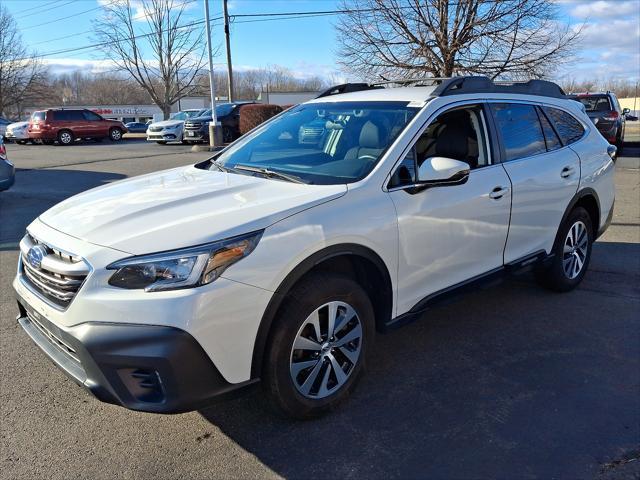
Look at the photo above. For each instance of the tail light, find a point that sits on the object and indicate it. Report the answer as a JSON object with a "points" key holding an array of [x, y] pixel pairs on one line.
{"points": [[3, 151], [611, 116]]}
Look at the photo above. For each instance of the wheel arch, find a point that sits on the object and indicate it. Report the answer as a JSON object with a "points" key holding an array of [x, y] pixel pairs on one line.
{"points": [[586, 198], [357, 261]]}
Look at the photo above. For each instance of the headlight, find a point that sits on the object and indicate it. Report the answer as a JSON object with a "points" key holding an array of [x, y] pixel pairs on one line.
{"points": [[185, 268]]}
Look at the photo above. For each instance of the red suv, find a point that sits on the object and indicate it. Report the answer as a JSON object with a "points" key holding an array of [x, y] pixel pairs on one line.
{"points": [[66, 125]]}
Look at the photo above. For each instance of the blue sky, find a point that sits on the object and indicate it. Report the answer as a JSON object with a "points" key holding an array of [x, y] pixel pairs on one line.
{"points": [[610, 44]]}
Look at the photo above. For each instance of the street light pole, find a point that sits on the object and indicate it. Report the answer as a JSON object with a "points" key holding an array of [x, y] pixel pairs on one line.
{"points": [[226, 34], [213, 124]]}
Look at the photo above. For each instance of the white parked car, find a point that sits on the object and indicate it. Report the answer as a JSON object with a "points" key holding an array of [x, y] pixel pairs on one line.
{"points": [[170, 130], [279, 259], [18, 132]]}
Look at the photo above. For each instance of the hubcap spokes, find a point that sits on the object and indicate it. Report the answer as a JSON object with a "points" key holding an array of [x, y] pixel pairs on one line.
{"points": [[575, 250], [326, 350]]}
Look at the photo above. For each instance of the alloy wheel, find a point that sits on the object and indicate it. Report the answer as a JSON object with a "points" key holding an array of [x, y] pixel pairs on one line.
{"points": [[115, 134], [326, 350], [65, 138], [576, 246]]}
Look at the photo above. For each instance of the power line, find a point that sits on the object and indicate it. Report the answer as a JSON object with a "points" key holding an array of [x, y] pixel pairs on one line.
{"points": [[90, 31], [38, 7], [63, 18], [47, 9]]}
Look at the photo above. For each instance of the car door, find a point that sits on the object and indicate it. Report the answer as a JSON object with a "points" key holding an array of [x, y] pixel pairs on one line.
{"points": [[95, 125], [450, 234], [544, 175]]}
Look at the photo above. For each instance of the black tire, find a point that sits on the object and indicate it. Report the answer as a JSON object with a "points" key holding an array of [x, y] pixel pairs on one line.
{"points": [[227, 135], [619, 145], [554, 276], [161, 142], [311, 293], [115, 134], [65, 138]]}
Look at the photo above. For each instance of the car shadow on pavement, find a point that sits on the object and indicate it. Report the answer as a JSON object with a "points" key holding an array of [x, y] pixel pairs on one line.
{"points": [[511, 381], [38, 190]]}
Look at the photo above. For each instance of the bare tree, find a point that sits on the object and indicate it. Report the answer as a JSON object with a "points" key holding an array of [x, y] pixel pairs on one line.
{"points": [[21, 73], [165, 60], [510, 39]]}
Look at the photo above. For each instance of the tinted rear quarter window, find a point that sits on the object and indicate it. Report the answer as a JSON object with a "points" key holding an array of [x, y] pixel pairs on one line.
{"points": [[553, 142], [520, 129], [569, 129]]}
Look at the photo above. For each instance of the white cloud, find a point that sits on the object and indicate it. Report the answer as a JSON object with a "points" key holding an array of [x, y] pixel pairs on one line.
{"points": [[68, 65], [602, 9]]}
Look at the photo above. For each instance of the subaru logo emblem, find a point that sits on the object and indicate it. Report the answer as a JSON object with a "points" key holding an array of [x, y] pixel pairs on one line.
{"points": [[35, 255]]}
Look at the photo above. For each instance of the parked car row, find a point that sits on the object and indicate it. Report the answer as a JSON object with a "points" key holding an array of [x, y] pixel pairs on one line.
{"points": [[192, 126], [64, 126]]}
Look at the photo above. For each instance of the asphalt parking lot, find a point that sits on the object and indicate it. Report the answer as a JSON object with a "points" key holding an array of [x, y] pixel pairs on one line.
{"points": [[510, 382]]}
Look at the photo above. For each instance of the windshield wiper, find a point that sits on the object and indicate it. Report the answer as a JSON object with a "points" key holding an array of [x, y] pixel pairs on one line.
{"points": [[221, 167], [269, 173]]}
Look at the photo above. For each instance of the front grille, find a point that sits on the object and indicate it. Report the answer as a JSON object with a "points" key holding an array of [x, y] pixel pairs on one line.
{"points": [[193, 125], [155, 129], [58, 277]]}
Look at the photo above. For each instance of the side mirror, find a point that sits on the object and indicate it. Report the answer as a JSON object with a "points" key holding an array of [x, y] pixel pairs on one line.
{"points": [[441, 171], [625, 111]]}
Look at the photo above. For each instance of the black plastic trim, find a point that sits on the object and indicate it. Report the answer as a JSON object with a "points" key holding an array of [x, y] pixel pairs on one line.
{"points": [[109, 352], [484, 280], [293, 277], [607, 223]]}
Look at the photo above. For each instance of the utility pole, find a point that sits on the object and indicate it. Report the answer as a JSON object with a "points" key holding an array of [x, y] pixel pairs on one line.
{"points": [[226, 36], [213, 124]]}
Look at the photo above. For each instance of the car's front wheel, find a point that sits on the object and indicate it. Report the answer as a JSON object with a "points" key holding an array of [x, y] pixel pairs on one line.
{"points": [[319, 344], [571, 253]]}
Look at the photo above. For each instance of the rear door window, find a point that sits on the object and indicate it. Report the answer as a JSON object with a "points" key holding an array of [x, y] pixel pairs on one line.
{"points": [[92, 117], [520, 130], [569, 129]]}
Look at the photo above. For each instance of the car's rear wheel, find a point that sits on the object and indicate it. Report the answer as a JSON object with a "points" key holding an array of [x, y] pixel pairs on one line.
{"points": [[571, 253], [65, 137], [619, 144], [319, 343], [115, 134]]}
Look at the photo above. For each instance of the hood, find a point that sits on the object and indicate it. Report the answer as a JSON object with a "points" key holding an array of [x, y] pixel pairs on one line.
{"points": [[181, 207], [17, 125], [206, 118], [167, 123]]}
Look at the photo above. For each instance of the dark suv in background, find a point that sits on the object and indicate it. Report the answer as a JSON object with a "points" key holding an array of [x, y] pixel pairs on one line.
{"points": [[196, 129], [67, 125], [605, 112]]}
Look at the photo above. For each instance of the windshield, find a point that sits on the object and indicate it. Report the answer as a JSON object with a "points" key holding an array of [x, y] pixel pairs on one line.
{"points": [[595, 103], [39, 116], [186, 114], [221, 110], [322, 143]]}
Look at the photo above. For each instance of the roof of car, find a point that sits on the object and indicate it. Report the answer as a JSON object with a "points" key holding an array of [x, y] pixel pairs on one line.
{"points": [[424, 88], [399, 94]]}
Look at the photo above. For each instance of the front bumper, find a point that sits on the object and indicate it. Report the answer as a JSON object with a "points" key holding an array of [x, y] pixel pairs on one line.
{"points": [[197, 135], [164, 136], [148, 368], [11, 135]]}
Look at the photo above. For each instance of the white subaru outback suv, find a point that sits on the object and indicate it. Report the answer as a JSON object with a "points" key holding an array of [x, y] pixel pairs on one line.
{"points": [[279, 258]]}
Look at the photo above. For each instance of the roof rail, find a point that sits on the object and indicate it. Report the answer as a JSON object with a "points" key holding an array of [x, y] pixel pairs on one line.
{"points": [[461, 85], [346, 88], [404, 81]]}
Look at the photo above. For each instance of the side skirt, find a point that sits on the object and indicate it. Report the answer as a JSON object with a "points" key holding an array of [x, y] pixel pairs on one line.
{"points": [[485, 280]]}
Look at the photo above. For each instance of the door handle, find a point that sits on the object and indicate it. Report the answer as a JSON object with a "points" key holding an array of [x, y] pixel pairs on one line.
{"points": [[566, 172], [499, 192]]}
